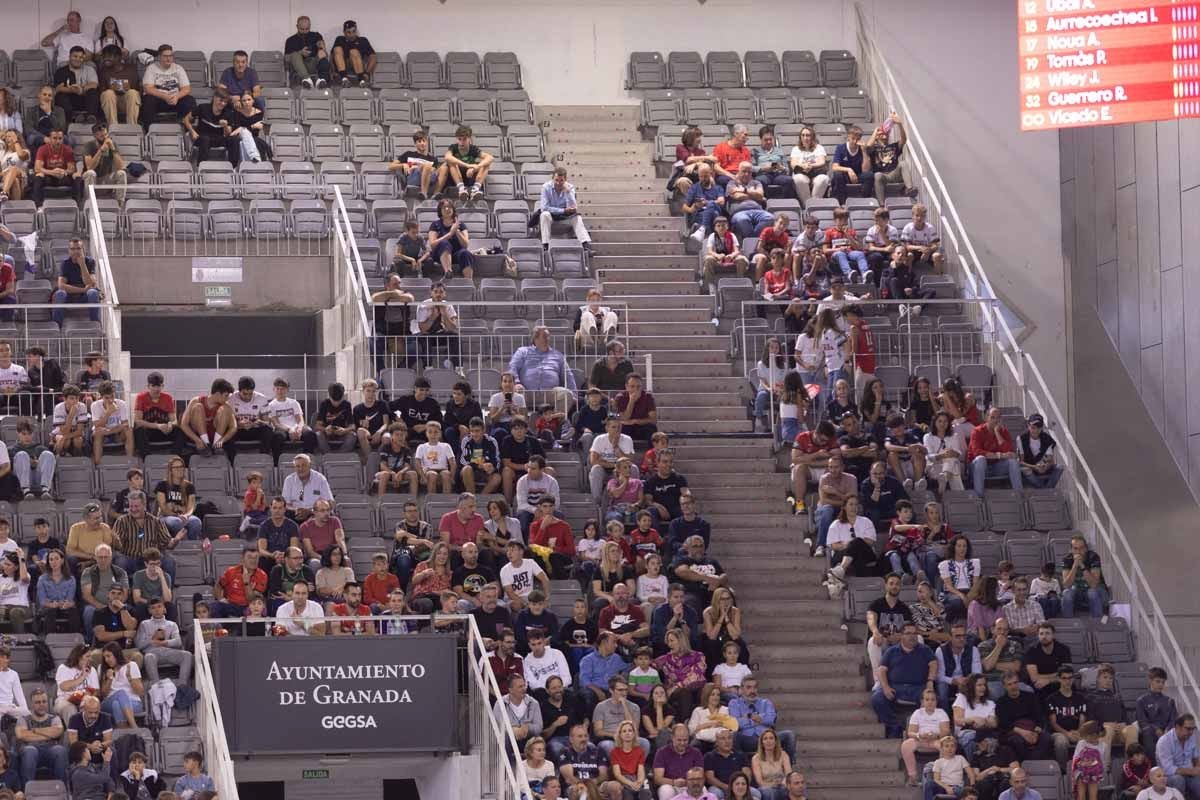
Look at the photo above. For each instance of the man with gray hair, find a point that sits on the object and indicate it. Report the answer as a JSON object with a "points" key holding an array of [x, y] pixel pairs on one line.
{"points": [[303, 488], [732, 152], [538, 367], [746, 204], [96, 580], [558, 205], [39, 740]]}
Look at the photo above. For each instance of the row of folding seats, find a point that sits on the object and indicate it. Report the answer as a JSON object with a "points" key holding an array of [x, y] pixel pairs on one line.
{"points": [[399, 106], [746, 106], [762, 69], [421, 70]]}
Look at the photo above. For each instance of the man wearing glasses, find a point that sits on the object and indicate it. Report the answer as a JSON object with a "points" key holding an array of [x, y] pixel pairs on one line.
{"points": [[1176, 754]]}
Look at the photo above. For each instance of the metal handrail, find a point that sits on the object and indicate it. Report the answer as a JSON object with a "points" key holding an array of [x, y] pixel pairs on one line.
{"points": [[212, 724], [1022, 367], [344, 231]]}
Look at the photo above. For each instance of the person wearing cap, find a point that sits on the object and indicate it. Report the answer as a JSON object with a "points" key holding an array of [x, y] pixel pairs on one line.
{"points": [[154, 419], [354, 59], [86, 535], [1036, 450]]}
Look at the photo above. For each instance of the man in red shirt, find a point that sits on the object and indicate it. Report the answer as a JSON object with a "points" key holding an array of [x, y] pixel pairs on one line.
{"points": [[731, 153], [862, 348], [231, 591], [54, 167], [461, 525], [352, 607], [321, 531], [626, 620], [776, 236], [154, 419], [637, 409], [992, 454], [8, 286], [505, 661], [809, 456], [550, 531]]}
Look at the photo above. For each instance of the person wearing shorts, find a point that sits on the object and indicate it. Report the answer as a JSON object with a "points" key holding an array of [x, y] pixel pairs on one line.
{"points": [[419, 165]]}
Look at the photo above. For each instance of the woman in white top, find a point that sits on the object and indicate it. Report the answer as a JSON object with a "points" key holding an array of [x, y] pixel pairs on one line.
{"points": [[851, 542], [10, 114], [974, 714], [537, 767], [831, 340], [110, 33], [14, 165], [709, 717], [946, 451], [958, 573], [75, 678], [927, 725], [810, 166], [121, 687], [14, 590], [771, 369], [808, 353]]}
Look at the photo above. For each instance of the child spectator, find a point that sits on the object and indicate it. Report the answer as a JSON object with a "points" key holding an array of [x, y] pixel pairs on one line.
{"points": [[1135, 771], [950, 773], [645, 540], [136, 482], [378, 586], [842, 245], [1047, 591], [879, 240], [624, 492], [254, 502], [411, 259], [643, 677], [548, 427], [729, 674], [1156, 712], [589, 421], [904, 541], [658, 443], [652, 586], [193, 780], [1004, 592], [1087, 766], [590, 546]]}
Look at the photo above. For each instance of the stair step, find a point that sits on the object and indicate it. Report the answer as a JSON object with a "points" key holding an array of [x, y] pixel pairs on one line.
{"points": [[642, 249], [749, 479], [620, 184], [858, 777], [669, 367], [628, 220], [847, 747], [709, 341], [600, 208], [707, 426], [702, 413], [643, 151], [646, 303], [708, 399], [628, 113], [632, 267], [605, 167], [632, 236], [833, 766], [596, 197], [861, 793], [689, 384], [701, 315], [695, 327], [726, 466]]}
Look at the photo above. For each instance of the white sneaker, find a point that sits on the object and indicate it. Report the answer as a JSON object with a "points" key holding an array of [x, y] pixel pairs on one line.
{"points": [[448, 364], [915, 311], [808, 541], [819, 552], [922, 484], [307, 83], [322, 83], [698, 235], [903, 311], [908, 485]]}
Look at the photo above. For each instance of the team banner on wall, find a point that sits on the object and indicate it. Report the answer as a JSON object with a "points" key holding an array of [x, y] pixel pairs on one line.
{"points": [[338, 694]]}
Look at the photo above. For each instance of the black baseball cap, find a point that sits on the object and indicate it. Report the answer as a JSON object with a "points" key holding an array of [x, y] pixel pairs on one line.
{"points": [[154, 379], [348, 24]]}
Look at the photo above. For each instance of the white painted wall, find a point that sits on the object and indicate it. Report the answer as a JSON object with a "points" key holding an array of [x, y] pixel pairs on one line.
{"points": [[571, 51], [956, 64]]}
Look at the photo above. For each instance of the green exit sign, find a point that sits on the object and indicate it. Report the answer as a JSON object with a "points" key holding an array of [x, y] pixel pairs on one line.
{"points": [[315, 775]]}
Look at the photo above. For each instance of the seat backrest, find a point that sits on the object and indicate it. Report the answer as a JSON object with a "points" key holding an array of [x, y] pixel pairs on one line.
{"points": [[762, 69], [686, 69], [1005, 509], [800, 69], [501, 70], [724, 69], [646, 70], [464, 70], [424, 70]]}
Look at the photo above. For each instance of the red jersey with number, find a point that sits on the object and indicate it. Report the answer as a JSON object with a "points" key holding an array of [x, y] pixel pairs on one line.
{"points": [[864, 348]]}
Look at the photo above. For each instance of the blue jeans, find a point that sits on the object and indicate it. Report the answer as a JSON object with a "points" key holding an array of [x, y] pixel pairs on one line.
{"points": [[982, 469], [51, 756], [1189, 786], [789, 429], [708, 215], [885, 710], [60, 297], [909, 560], [751, 222], [933, 789], [557, 746], [117, 703], [762, 404], [825, 515], [403, 565], [1043, 480], [1097, 598], [194, 525], [843, 258], [1051, 606]]}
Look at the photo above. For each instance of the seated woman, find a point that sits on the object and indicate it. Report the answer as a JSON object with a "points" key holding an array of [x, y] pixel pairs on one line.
{"points": [[449, 242], [929, 616], [722, 626], [611, 570], [56, 595], [974, 714], [683, 671], [15, 160], [689, 155], [624, 492], [984, 607], [851, 542], [770, 368], [709, 717], [770, 766], [958, 574], [121, 687], [74, 680], [333, 576], [176, 498], [14, 590]]}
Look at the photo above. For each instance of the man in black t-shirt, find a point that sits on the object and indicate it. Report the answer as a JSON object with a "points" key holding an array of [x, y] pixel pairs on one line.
{"points": [[212, 125], [371, 418], [885, 158], [416, 409], [1043, 660], [885, 617], [334, 422], [515, 452], [467, 164], [469, 577], [859, 449], [698, 573], [419, 165], [662, 491], [1066, 710], [354, 59], [305, 53], [91, 726]]}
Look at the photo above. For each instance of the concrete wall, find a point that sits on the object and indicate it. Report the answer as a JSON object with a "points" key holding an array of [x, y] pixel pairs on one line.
{"points": [[167, 281], [571, 52], [956, 64]]}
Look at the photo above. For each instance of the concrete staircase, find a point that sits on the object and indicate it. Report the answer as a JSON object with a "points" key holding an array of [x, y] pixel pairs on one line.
{"points": [[793, 629]]}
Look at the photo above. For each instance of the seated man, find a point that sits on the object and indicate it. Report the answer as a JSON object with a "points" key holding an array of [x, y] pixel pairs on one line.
{"points": [[1022, 721], [437, 323], [208, 421], [731, 153], [905, 453], [354, 59], [166, 88], [468, 165], [754, 714], [810, 456], [40, 737], [905, 671], [215, 125], [721, 253], [770, 162], [992, 454], [250, 412], [240, 79], [54, 167], [305, 53], [110, 423], [1038, 466], [75, 86], [160, 642], [558, 204], [538, 367], [699, 574], [705, 202], [663, 489], [887, 158], [609, 714], [850, 170], [673, 764], [923, 241], [637, 410], [745, 203], [233, 589], [334, 421], [103, 163], [118, 83]]}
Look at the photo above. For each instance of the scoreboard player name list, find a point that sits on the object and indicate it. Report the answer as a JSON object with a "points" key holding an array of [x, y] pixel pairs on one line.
{"points": [[1106, 62]]}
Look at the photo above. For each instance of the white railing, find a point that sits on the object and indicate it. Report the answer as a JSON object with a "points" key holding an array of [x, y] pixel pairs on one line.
{"points": [[356, 286], [1157, 643], [500, 777], [211, 724], [110, 313]]}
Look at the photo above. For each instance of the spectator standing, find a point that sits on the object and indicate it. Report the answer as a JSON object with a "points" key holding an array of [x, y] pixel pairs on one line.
{"points": [[66, 37], [166, 88], [558, 204], [306, 54], [354, 60], [54, 167], [75, 86]]}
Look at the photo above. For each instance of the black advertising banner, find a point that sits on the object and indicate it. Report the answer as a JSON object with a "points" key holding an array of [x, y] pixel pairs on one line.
{"points": [[338, 694]]}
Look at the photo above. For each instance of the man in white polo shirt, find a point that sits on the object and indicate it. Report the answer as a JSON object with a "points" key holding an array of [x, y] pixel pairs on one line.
{"points": [[299, 616], [304, 487]]}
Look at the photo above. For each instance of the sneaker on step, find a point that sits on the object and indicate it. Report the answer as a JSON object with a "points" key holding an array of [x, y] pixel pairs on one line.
{"points": [[908, 485], [819, 552], [915, 311], [838, 573], [463, 194], [476, 193], [921, 485], [307, 83], [698, 235], [322, 83]]}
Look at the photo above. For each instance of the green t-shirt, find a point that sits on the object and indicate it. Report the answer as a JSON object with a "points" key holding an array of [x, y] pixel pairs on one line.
{"points": [[644, 684], [150, 588]]}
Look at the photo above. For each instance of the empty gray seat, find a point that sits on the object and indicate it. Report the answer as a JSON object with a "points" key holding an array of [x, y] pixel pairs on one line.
{"points": [[390, 216], [424, 70], [185, 219], [529, 256], [646, 70], [341, 174], [464, 70], [226, 219], [567, 258], [539, 290], [1027, 551], [762, 69], [389, 71], [317, 106], [686, 69], [501, 70], [524, 144], [397, 107], [268, 219], [30, 68], [731, 292], [378, 181], [498, 290], [534, 176], [216, 180], [164, 141], [724, 68], [1005, 509], [356, 106], [854, 107], [738, 106], [815, 105], [326, 142], [270, 66], [143, 218], [310, 219], [964, 511], [1048, 510], [513, 107], [501, 183], [437, 107], [700, 107], [800, 69], [839, 68], [298, 179], [475, 107], [256, 180], [661, 107], [512, 218]]}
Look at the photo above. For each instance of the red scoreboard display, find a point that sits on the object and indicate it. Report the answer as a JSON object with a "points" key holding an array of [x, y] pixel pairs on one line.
{"points": [[1107, 62]]}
